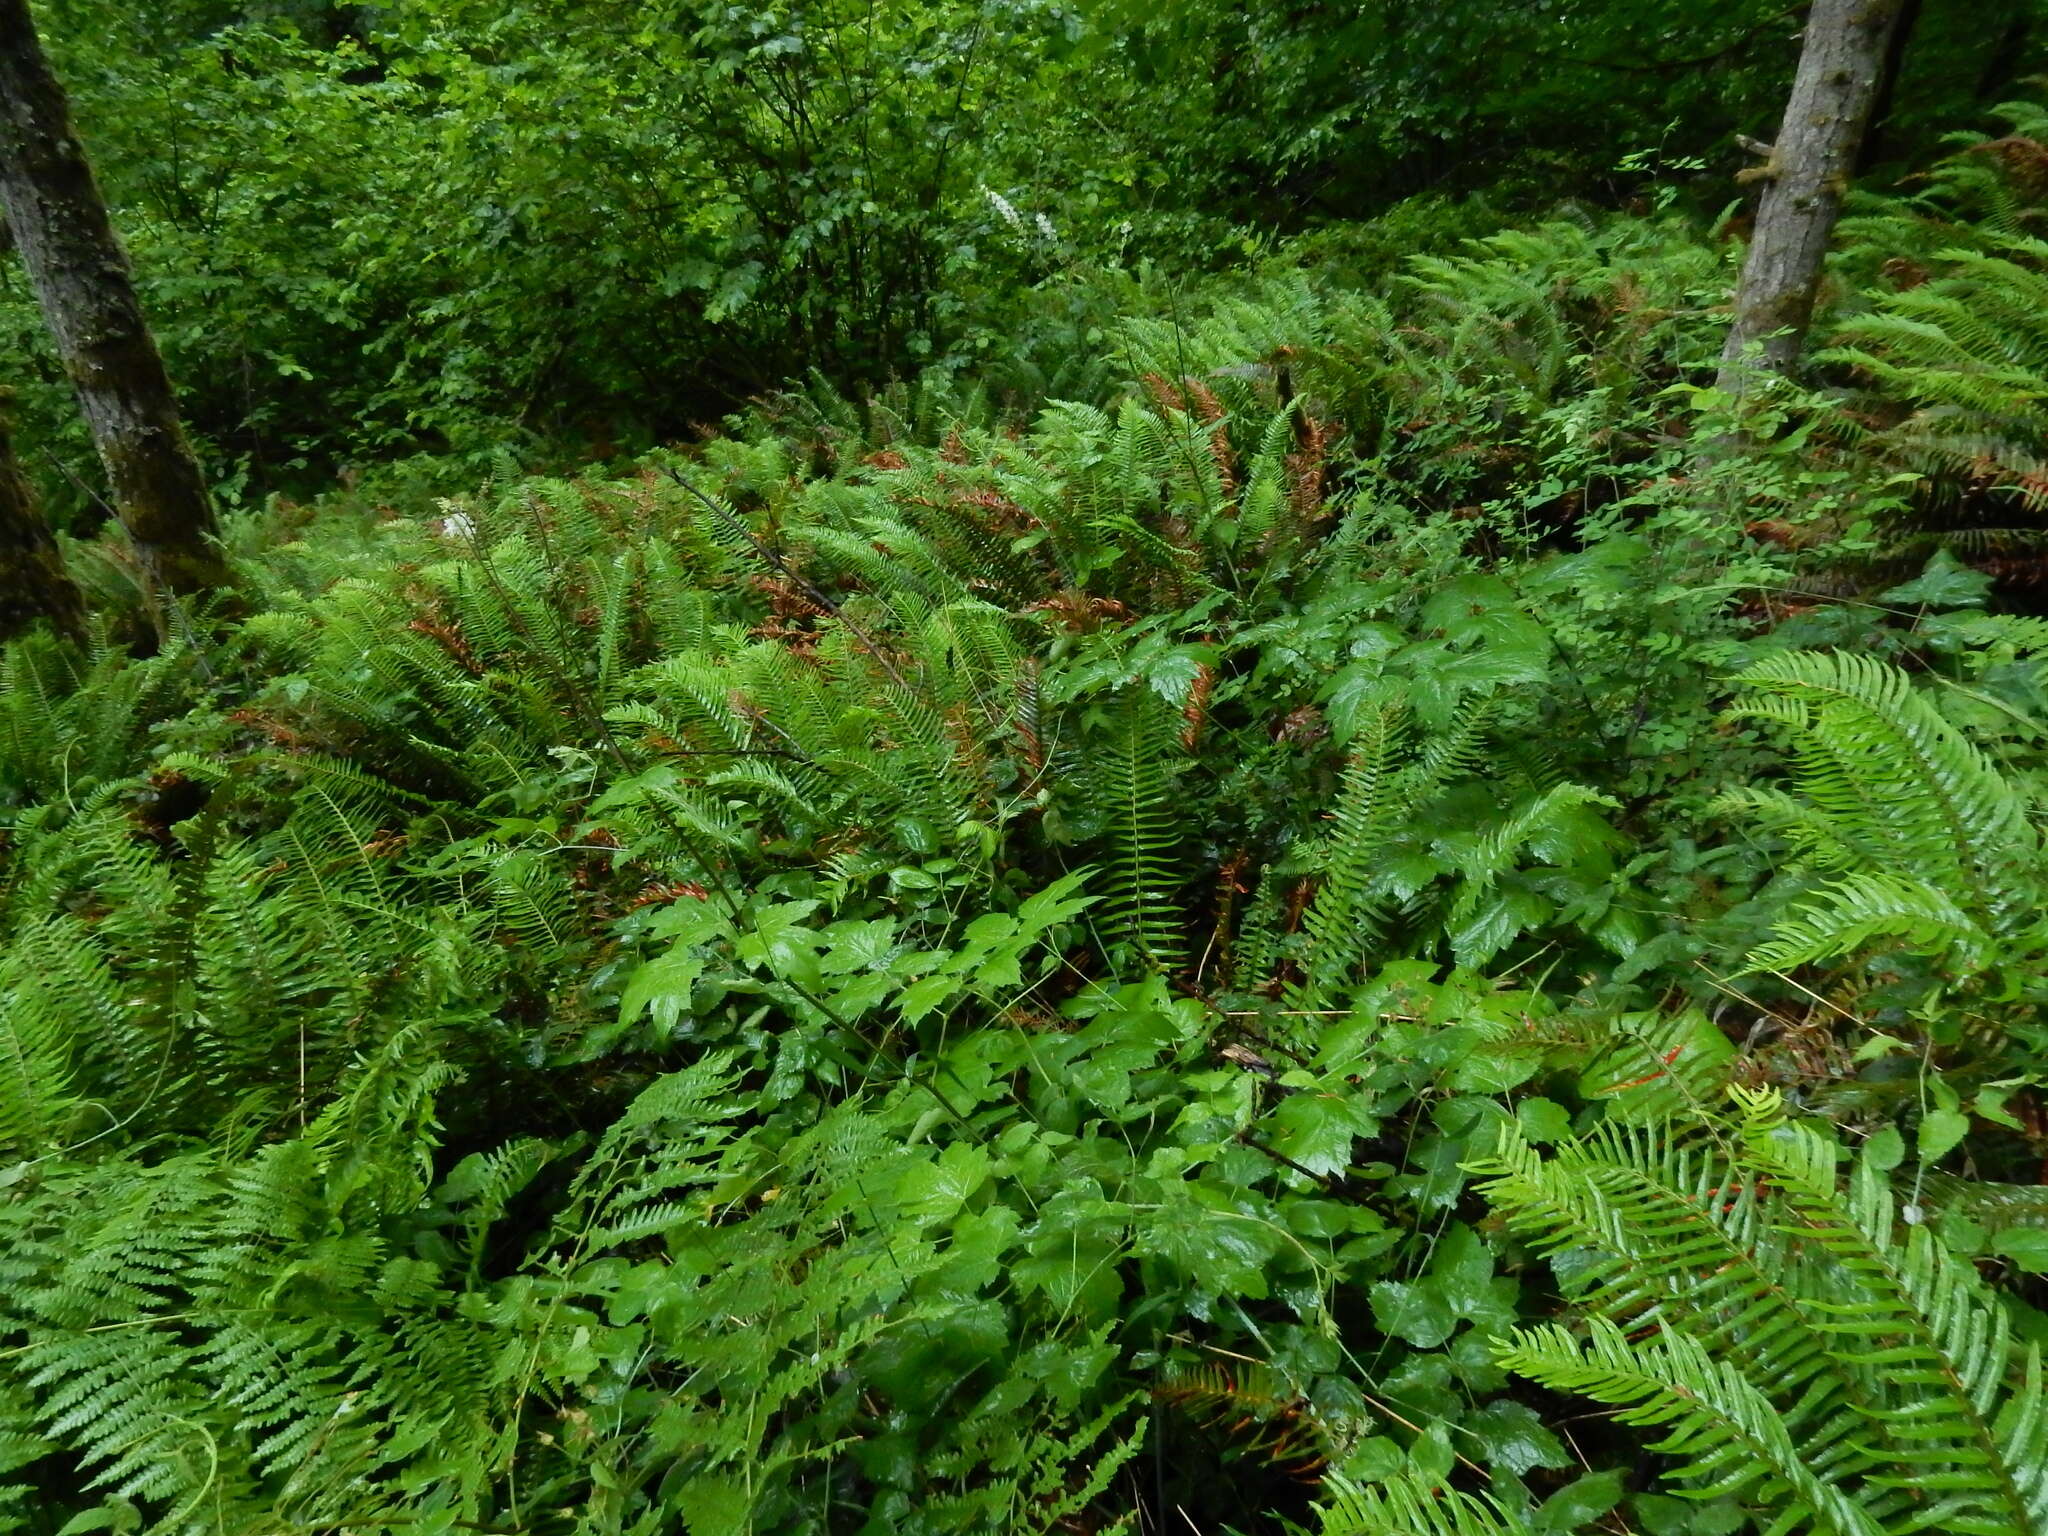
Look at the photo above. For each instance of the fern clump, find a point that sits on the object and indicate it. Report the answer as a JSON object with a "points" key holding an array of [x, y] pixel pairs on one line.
{"points": [[1808, 1349], [1913, 841]]}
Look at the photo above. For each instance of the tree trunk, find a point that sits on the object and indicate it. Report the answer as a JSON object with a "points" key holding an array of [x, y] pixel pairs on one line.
{"points": [[2002, 64], [1804, 179], [81, 281], [33, 582], [1875, 146]]}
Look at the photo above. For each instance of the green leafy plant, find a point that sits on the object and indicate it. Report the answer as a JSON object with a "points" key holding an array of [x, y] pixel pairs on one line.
{"points": [[1807, 1349], [1925, 845], [944, 962]]}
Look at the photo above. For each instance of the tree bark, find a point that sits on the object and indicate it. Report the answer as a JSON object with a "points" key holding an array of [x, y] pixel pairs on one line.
{"points": [[33, 582], [1804, 179], [82, 284], [1875, 137]]}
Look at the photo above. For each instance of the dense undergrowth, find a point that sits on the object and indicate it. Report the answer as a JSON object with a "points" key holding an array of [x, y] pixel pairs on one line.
{"points": [[575, 227], [1226, 949]]}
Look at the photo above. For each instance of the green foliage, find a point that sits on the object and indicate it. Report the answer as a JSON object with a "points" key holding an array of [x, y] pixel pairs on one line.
{"points": [[950, 961], [1807, 1349], [1404, 1506], [766, 857], [1926, 847], [1965, 350], [1945, 347], [584, 227]]}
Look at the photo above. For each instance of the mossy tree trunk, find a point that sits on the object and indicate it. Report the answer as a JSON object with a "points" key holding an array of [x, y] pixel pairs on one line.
{"points": [[33, 582], [1808, 170], [82, 284]]}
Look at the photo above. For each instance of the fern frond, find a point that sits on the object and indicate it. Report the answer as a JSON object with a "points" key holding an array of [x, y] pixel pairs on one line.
{"points": [[1409, 1506], [1806, 1356], [1345, 918], [1133, 781], [1943, 846], [36, 1106], [1726, 1434], [1849, 916]]}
